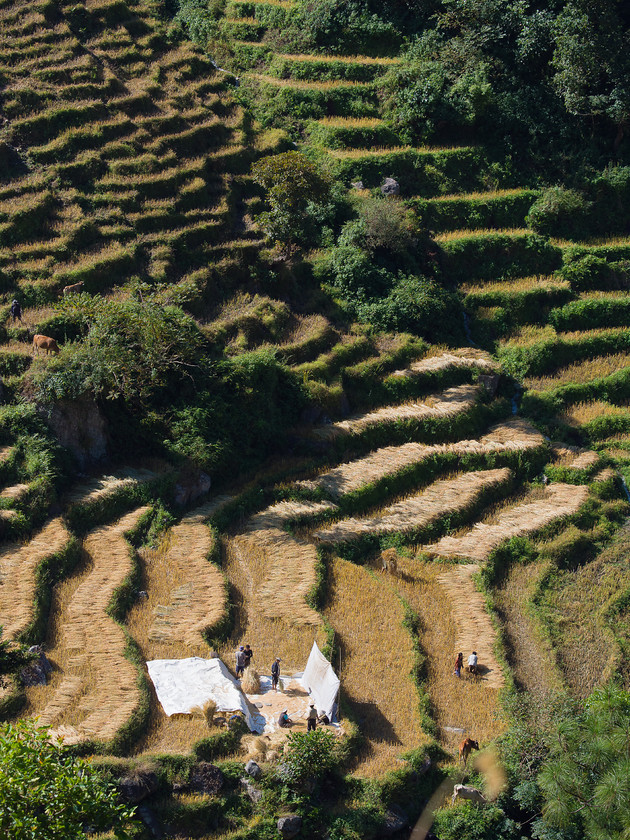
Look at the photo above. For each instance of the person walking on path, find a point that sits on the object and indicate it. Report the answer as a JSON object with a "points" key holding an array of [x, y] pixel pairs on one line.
{"points": [[241, 660], [249, 655], [472, 662], [459, 664], [311, 719], [275, 673]]}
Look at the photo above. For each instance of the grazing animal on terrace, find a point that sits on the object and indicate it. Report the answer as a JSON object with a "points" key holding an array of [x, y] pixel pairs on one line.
{"points": [[43, 342], [465, 749], [74, 288], [467, 792]]}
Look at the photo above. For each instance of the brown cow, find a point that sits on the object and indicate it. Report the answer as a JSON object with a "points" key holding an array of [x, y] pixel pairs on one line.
{"points": [[75, 287], [465, 749], [43, 342]]}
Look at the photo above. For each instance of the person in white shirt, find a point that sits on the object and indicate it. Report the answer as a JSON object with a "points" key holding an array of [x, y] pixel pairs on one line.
{"points": [[472, 662]]}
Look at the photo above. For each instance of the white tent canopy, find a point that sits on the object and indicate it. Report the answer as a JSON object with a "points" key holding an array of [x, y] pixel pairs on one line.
{"points": [[182, 684], [320, 681]]}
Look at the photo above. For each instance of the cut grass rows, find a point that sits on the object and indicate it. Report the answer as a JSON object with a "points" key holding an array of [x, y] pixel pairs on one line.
{"points": [[98, 692]]}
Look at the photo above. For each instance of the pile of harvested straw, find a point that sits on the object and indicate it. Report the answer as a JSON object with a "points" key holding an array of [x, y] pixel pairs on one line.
{"points": [[18, 565], [462, 358], [199, 600], [474, 630], [515, 434], [526, 518], [99, 688], [421, 509], [447, 404]]}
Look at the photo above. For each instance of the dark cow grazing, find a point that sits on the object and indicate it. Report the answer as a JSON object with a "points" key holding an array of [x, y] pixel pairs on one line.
{"points": [[75, 288], [467, 792], [43, 342], [465, 749]]}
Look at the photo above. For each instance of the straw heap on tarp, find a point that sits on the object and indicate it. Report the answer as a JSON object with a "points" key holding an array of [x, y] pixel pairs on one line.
{"points": [[182, 684], [321, 682]]}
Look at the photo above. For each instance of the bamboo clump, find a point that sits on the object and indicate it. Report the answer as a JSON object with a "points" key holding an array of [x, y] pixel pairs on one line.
{"points": [[446, 404], [522, 519], [18, 566], [100, 684], [438, 499], [513, 435]]}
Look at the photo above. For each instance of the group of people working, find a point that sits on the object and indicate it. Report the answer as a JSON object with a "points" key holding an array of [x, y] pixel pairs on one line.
{"points": [[472, 664], [244, 656]]}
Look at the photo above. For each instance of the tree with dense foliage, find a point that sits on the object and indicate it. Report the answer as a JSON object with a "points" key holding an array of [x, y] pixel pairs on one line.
{"points": [[586, 779], [48, 794], [293, 182]]}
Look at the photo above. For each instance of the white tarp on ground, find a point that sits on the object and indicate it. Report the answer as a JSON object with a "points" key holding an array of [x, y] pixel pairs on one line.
{"points": [[182, 684], [320, 681]]}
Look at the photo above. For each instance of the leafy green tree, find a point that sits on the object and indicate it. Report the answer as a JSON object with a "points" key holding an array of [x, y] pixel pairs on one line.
{"points": [[586, 779], [592, 61], [293, 182], [48, 794], [131, 349], [309, 755]]}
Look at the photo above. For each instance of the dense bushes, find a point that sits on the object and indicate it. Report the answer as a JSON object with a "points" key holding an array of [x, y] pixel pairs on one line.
{"points": [[497, 255], [378, 268], [600, 207]]}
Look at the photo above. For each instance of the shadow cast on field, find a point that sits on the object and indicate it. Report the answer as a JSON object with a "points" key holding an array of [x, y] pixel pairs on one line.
{"points": [[372, 722]]}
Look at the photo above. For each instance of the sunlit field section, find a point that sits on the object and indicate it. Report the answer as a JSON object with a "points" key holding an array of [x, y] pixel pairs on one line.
{"points": [[524, 518], [377, 659], [95, 690], [465, 707], [513, 435], [438, 499], [18, 567]]}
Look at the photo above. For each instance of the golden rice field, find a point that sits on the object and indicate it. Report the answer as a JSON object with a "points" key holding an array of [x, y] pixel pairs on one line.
{"points": [[376, 663], [461, 707], [519, 284], [453, 235], [477, 195], [576, 414], [584, 371]]}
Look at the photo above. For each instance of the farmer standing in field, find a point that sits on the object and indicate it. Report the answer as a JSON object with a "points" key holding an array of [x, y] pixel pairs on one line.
{"points": [[275, 673], [472, 662], [241, 660], [249, 654], [459, 664], [311, 719]]}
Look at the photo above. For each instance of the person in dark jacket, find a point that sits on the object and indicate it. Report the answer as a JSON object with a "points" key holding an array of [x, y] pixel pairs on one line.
{"points": [[275, 673], [16, 311], [249, 654], [241, 660]]}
